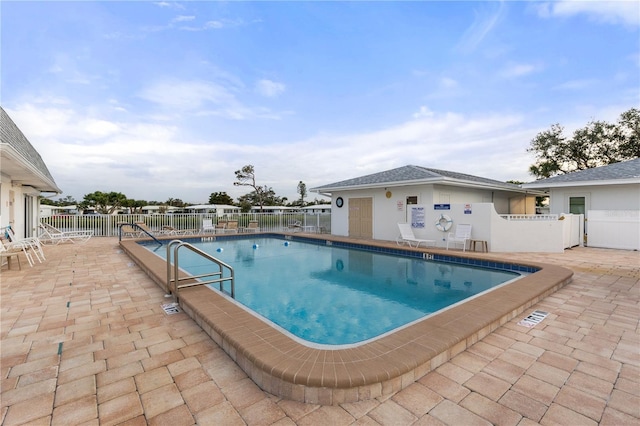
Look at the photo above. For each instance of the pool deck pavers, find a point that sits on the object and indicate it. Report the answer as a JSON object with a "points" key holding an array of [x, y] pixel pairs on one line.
{"points": [[84, 340]]}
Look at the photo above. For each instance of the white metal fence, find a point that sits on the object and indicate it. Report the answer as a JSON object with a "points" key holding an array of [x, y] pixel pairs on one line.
{"points": [[105, 225], [529, 217]]}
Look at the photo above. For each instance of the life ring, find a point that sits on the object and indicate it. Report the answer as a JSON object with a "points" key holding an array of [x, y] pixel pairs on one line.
{"points": [[444, 223]]}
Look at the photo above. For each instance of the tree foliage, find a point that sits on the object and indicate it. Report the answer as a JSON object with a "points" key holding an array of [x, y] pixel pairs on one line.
{"points": [[61, 202], [135, 206], [220, 198], [302, 190], [104, 202], [247, 177], [598, 143], [266, 196], [174, 202]]}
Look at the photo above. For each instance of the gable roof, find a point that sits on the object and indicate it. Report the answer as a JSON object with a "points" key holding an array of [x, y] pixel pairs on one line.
{"points": [[626, 172], [417, 175], [20, 161]]}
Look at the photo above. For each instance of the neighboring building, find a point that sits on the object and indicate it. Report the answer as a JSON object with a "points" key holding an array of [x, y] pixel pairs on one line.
{"points": [[317, 208], [608, 196], [273, 209], [49, 211], [23, 178], [158, 209], [217, 209]]}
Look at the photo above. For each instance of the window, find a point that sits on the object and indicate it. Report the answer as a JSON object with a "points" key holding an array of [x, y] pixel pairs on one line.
{"points": [[576, 205]]}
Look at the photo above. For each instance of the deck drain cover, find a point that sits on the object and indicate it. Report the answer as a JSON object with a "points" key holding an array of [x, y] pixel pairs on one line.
{"points": [[171, 308], [533, 319]]}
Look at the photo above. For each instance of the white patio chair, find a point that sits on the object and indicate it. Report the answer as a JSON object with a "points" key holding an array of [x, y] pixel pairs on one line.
{"points": [[207, 226], [11, 249], [461, 236], [32, 243], [253, 227], [407, 236]]}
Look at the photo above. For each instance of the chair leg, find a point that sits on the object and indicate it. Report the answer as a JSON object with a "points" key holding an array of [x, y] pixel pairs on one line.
{"points": [[27, 254]]}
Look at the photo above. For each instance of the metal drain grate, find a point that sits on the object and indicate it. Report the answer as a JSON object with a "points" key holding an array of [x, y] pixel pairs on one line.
{"points": [[171, 308], [533, 319]]}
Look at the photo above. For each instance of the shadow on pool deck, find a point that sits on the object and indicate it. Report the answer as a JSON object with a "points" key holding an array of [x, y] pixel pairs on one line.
{"points": [[84, 340]]}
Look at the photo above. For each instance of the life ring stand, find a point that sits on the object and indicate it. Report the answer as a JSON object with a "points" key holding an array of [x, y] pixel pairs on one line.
{"points": [[444, 223]]}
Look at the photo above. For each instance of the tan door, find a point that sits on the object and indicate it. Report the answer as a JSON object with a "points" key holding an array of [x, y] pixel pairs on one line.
{"points": [[361, 217]]}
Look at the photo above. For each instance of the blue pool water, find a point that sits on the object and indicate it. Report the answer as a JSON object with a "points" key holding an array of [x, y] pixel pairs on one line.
{"points": [[330, 295]]}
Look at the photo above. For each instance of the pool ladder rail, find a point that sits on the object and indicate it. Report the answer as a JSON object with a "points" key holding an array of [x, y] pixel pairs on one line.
{"points": [[175, 282]]}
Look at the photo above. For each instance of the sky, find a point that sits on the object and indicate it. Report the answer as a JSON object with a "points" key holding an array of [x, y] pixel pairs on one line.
{"points": [[161, 100]]}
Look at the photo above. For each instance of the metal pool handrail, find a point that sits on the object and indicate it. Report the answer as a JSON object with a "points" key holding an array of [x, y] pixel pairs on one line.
{"points": [[136, 226], [173, 283]]}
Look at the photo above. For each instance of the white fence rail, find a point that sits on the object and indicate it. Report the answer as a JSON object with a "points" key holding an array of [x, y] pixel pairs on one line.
{"points": [[105, 225]]}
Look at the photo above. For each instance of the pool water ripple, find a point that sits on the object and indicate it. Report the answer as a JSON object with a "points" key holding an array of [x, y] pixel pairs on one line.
{"points": [[337, 296]]}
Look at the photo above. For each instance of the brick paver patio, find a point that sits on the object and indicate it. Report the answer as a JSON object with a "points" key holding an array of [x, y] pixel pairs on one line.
{"points": [[84, 340]]}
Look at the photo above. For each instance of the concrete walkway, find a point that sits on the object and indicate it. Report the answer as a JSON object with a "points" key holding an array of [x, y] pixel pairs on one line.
{"points": [[84, 340]]}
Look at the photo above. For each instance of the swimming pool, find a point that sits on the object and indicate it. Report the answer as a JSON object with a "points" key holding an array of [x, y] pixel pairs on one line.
{"points": [[332, 295], [289, 369]]}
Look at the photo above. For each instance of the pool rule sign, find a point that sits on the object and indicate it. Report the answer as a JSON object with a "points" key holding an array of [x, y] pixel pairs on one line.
{"points": [[417, 216]]}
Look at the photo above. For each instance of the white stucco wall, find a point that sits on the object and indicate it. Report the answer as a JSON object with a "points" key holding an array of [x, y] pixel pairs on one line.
{"points": [[609, 197], [12, 207], [501, 235], [393, 209]]}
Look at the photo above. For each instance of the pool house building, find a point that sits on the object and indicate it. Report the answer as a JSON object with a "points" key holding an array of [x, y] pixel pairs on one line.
{"points": [[500, 214]]}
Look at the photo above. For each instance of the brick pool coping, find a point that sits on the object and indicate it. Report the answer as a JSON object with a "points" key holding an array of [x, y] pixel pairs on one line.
{"points": [[284, 367]]}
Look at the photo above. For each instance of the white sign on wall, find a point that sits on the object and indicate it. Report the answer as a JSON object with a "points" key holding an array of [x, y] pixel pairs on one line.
{"points": [[417, 216]]}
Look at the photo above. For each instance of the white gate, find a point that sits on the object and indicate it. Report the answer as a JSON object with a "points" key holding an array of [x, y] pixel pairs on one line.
{"points": [[619, 229], [572, 230]]}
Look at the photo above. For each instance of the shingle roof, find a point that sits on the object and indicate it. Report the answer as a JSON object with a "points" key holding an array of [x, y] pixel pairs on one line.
{"points": [[416, 175], [12, 136], [611, 172]]}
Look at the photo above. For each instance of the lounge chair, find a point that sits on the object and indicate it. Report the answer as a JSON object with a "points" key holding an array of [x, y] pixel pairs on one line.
{"points": [[406, 236], [253, 227], [31, 243], [170, 230], [207, 226], [232, 227], [460, 236], [294, 226], [146, 230], [52, 235], [127, 230], [13, 250]]}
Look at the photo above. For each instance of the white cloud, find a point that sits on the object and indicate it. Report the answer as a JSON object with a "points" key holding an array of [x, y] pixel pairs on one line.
{"points": [[170, 5], [580, 84], [448, 83], [187, 95], [183, 18], [483, 24], [151, 161], [423, 112], [625, 12], [269, 88], [519, 70]]}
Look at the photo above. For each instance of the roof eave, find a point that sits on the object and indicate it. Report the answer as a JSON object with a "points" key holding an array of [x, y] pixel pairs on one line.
{"points": [[36, 179], [439, 180], [543, 186]]}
